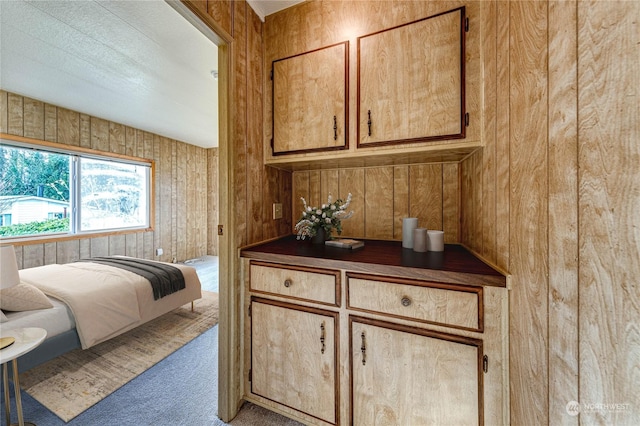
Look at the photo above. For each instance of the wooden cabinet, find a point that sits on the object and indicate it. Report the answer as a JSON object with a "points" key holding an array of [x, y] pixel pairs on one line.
{"points": [[310, 108], [407, 373], [411, 376], [407, 346], [293, 357], [411, 82], [408, 89]]}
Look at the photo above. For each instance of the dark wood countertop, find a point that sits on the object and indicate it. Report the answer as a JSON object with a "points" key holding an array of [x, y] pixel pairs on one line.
{"points": [[455, 265]]}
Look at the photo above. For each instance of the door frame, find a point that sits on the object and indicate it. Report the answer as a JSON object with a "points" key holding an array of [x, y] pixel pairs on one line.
{"points": [[229, 354]]}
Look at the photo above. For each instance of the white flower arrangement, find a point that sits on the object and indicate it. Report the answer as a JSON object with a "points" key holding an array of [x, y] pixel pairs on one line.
{"points": [[328, 217]]}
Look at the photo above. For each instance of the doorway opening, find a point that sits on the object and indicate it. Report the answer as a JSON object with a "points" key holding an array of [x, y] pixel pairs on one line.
{"points": [[229, 394]]}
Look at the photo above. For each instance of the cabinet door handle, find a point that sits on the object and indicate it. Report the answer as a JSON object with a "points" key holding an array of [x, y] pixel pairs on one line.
{"points": [[369, 121], [363, 349], [322, 337], [335, 128], [287, 283], [405, 301]]}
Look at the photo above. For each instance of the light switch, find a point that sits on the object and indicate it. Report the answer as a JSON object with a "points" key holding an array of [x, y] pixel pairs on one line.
{"points": [[277, 210]]}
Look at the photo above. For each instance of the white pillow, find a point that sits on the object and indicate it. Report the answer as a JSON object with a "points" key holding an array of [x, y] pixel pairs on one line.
{"points": [[23, 297], [3, 317]]}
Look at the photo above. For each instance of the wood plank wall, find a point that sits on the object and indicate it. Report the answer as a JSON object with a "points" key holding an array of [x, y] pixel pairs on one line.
{"points": [[609, 207], [256, 187], [586, 264], [553, 197], [382, 196], [185, 178], [559, 175]]}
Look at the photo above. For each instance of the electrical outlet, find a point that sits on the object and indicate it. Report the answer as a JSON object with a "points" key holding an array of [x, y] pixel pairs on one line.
{"points": [[159, 252], [277, 210]]}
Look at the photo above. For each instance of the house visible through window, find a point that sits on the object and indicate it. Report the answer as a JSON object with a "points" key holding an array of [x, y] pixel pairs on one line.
{"points": [[61, 192]]}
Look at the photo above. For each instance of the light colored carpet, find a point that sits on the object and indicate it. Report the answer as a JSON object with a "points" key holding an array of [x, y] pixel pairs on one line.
{"points": [[70, 384]]}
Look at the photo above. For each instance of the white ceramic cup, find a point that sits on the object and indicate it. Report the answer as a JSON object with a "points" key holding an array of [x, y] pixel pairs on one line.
{"points": [[435, 240], [420, 239], [408, 225]]}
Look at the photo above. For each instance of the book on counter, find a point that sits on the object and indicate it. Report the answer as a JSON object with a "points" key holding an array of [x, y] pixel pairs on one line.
{"points": [[345, 243]]}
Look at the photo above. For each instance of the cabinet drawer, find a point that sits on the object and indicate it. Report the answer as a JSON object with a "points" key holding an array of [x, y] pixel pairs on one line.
{"points": [[437, 303], [311, 284]]}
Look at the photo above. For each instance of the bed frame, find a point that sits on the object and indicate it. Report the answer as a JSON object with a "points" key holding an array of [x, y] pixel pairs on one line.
{"points": [[68, 340], [52, 348], [49, 349]]}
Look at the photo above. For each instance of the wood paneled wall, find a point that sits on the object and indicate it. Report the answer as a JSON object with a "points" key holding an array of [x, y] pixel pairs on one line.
{"points": [[253, 187], [609, 206], [256, 187], [382, 196], [185, 178], [554, 198]]}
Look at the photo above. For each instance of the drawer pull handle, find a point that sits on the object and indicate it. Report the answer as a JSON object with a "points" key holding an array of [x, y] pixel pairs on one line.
{"points": [[287, 283], [322, 337], [363, 349], [405, 301]]}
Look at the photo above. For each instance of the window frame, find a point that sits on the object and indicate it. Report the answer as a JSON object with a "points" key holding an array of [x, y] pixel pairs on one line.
{"points": [[82, 152]]}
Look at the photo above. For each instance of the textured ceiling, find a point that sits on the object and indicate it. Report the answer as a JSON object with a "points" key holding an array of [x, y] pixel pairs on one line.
{"points": [[139, 63], [267, 7]]}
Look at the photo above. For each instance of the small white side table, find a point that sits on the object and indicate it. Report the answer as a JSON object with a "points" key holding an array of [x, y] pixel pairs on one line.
{"points": [[27, 339]]}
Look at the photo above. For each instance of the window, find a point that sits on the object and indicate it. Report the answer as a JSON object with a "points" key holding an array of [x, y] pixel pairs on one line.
{"points": [[112, 195], [46, 191]]}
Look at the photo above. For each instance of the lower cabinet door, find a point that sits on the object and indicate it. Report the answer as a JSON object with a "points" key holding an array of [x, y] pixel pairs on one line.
{"points": [[293, 357], [411, 376]]}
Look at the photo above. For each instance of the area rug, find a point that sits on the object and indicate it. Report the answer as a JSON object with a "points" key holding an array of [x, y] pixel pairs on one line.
{"points": [[73, 382]]}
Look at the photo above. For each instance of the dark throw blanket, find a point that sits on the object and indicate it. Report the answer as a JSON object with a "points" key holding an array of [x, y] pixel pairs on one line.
{"points": [[165, 279]]}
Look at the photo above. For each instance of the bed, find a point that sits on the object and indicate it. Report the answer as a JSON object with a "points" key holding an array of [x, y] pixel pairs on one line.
{"points": [[93, 302]]}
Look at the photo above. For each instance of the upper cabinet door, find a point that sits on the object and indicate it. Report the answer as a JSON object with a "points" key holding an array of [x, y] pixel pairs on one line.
{"points": [[310, 94], [411, 82]]}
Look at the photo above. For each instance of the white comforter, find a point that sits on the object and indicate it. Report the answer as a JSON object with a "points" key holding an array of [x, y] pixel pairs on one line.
{"points": [[107, 301]]}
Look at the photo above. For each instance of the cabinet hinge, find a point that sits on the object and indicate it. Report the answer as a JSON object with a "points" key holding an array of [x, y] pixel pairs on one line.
{"points": [[466, 25], [466, 119], [485, 363], [271, 75], [249, 309], [249, 375], [271, 143]]}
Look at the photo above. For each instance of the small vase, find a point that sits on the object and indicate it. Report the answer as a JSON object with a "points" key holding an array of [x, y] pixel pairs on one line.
{"points": [[320, 237]]}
